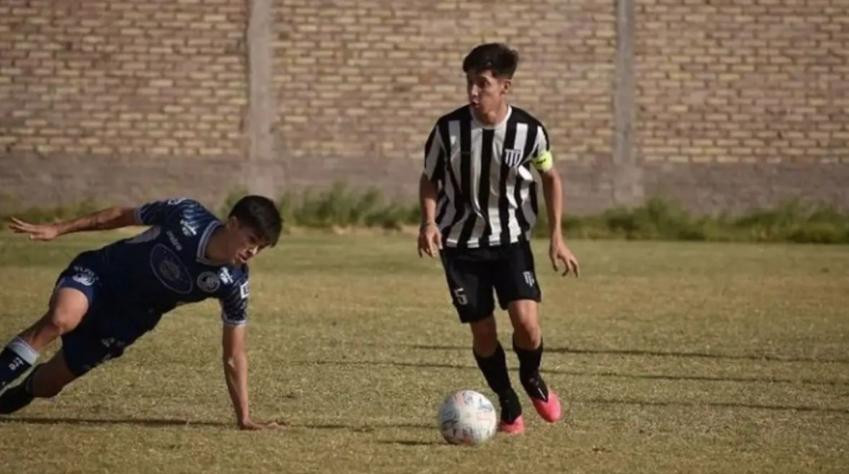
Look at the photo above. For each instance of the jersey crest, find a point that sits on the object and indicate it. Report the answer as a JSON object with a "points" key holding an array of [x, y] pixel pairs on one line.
{"points": [[169, 270]]}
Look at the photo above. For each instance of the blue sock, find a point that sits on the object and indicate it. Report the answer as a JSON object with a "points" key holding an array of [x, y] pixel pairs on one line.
{"points": [[16, 358]]}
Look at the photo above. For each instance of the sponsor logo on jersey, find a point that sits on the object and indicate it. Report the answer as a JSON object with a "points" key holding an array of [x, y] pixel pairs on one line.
{"points": [[208, 282], [187, 228], [512, 157], [169, 270], [244, 291], [225, 276], [83, 276], [173, 239]]}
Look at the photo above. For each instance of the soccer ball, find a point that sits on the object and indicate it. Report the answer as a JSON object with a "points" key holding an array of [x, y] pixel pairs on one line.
{"points": [[466, 417]]}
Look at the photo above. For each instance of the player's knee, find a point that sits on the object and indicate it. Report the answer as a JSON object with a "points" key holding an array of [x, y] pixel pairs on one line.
{"points": [[528, 333], [61, 321]]}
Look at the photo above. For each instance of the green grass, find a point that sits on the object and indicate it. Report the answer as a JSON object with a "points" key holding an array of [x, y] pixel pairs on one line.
{"points": [[673, 356]]}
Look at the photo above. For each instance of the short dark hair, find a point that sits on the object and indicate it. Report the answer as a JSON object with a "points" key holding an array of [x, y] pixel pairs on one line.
{"points": [[260, 214], [495, 57]]}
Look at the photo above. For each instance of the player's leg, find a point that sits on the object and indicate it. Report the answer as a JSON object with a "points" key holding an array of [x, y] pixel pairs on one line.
{"points": [[67, 308], [92, 342], [470, 283], [527, 343], [519, 292], [44, 381], [490, 357]]}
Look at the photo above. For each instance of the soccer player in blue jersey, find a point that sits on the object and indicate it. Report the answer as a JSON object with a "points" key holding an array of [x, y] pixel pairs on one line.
{"points": [[107, 298]]}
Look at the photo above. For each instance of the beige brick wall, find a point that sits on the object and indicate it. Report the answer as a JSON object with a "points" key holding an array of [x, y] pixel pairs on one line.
{"points": [[370, 77], [153, 78], [749, 92], [760, 81]]}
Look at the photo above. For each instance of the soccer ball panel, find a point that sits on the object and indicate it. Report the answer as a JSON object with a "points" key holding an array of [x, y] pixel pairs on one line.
{"points": [[467, 417]]}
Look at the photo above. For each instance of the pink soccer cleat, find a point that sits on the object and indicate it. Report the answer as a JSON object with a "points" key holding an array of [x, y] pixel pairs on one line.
{"points": [[515, 428], [548, 409]]}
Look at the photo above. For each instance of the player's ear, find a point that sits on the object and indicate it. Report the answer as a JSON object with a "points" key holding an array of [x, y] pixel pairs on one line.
{"points": [[232, 223], [506, 84]]}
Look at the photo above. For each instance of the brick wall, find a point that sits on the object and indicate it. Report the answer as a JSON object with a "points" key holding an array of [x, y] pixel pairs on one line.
{"points": [[736, 102], [103, 78], [755, 82]]}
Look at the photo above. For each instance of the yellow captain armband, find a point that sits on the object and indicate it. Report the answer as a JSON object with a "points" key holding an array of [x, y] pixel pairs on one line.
{"points": [[544, 161]]}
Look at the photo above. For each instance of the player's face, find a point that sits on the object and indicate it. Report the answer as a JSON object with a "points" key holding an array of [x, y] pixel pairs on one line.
{"points": [[487, 94], [243, 242]]}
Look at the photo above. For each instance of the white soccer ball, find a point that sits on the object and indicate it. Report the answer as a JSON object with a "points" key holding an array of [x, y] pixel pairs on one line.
{"points": [[467, 417]]}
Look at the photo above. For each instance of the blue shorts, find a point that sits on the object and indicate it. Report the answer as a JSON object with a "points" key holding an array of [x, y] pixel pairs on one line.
{"points": [[108, 327]]}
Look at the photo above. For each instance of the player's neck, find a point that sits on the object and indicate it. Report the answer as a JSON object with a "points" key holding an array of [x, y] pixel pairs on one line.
{"points": [[216, 245], [493, 117]]}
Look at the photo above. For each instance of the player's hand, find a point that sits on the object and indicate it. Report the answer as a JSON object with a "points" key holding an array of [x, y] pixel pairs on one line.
{"points": [[430, 239], [251, 425], [559, 252], [35, 231]]}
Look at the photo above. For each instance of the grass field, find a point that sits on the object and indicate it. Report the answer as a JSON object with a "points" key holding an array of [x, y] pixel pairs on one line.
{"points": [[675, 357]]}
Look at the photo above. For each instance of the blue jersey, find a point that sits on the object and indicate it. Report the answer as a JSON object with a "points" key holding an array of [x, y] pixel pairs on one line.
{"points": [[166, 265]]}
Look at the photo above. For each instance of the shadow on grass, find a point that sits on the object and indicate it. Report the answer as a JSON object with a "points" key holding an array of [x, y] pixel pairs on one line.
{"points": [[360, 427], [152, 423], [577, 373], [753, 406], [800, 408], [638, 352], [357, 427], [412, 443]]}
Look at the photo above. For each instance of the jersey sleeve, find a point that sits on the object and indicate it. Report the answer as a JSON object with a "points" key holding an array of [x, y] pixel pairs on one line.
{"points": [[157, 212], [542, 158], [434, 156], [234, 303]]}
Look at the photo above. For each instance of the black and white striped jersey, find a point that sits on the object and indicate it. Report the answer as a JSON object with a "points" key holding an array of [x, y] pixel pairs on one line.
{"points": [[486, 191]]}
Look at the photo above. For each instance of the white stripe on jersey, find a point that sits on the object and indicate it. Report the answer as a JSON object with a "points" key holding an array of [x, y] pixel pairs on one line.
{"points": [[455, 161], [493, 210], [515, 230], [480, 221]]}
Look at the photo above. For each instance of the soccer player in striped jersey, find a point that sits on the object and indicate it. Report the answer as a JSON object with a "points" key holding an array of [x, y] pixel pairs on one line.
{"points": [[107, 298], [479, 203]]}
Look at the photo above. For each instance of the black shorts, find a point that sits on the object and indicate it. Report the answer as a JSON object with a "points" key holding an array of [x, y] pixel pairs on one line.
{"points": [[108, 327], [473, 274]]}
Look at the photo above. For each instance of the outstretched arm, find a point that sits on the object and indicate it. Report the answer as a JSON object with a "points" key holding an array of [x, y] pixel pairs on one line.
{"points": [[111, 218], [236, 375], [552, 189]]}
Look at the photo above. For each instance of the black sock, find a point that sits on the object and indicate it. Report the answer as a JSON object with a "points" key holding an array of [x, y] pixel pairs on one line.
{"points": [[529, 362], [15, 359], [18, 396], [494, 370]]}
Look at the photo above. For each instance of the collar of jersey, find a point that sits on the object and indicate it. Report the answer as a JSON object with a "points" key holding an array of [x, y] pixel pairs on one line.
{"points": [[491, 127], [204, 241]]}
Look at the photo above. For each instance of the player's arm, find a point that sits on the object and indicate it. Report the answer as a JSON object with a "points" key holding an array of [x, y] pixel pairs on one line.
{"points": [[552, 189], [236, 374], [111, 218], [430, 239]]}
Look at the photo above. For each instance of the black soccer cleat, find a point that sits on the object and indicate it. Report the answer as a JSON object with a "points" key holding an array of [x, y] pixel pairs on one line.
{"points": [[14, 399], [18, 396]]}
